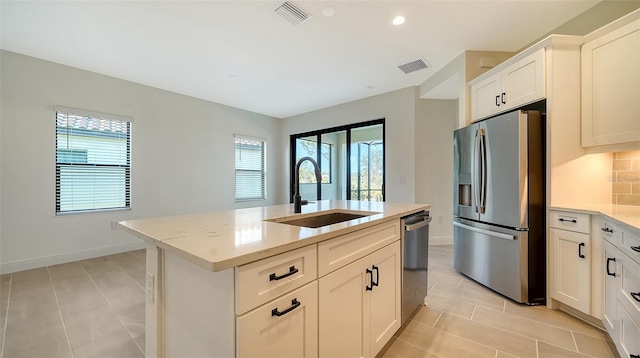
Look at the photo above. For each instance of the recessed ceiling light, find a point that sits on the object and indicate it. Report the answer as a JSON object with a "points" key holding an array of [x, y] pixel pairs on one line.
{"points": [[328, 11], [399, 20]]}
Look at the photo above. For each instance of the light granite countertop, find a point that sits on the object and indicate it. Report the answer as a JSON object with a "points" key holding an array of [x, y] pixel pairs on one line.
{"points": [[223, 239], [627, 215]]}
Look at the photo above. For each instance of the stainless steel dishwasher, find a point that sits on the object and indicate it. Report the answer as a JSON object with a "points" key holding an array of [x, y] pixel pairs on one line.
{"points": [[415, 262]]}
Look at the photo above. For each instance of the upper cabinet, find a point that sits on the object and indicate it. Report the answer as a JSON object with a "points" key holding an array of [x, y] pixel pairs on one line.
{"points": [[611, 87], [517, 84]]}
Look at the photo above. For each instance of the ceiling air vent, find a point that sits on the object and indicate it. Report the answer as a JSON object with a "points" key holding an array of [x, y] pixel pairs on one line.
{"points": [[413, 66], [292, 13]]}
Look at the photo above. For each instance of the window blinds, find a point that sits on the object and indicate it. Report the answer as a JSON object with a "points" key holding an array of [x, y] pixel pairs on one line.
{"points": [[251, 174], [93, 163]]}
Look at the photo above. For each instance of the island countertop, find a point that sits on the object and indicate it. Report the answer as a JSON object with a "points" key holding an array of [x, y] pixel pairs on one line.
{"points": [[627, 215], [223, 239]]}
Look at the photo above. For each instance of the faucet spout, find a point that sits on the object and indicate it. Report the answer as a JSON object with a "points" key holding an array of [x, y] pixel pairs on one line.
{"points": [[297, 200]]}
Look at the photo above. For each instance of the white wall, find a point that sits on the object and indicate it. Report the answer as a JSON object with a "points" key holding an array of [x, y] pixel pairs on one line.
{"points": [[435, 122], [182, 159], [398, 109]]}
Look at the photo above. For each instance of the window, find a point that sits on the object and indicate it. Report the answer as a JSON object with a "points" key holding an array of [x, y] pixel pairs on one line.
{"points": [[251, 172], [309, 148], [93, 162]]}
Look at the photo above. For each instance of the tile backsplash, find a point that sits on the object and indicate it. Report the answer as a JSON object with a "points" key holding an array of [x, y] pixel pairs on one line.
{"points": [[626, 178]]}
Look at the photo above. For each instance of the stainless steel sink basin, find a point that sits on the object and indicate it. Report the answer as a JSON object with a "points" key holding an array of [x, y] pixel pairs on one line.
{"points": [[316, 221]]}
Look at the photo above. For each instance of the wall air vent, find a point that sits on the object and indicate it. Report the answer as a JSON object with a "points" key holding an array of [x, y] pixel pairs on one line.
{"points": [[292, 13], [413, 66]]}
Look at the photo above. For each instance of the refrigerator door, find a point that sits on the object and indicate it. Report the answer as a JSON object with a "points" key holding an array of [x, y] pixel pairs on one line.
{"points": [[504, 168], [465, 160], [493, 256]]}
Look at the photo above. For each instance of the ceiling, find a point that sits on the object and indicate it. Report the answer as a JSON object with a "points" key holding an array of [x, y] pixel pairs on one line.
{"points": [[242, 54]]}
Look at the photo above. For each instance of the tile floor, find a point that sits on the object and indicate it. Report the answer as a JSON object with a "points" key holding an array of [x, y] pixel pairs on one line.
{"points": [[95, 308]]}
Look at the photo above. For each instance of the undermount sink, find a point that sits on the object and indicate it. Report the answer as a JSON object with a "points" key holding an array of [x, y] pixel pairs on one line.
{"points": [[322, 219]]}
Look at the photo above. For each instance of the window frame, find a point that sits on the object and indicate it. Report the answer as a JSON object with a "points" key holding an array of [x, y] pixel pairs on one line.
{"points": [[263, 170], [91, 115]]}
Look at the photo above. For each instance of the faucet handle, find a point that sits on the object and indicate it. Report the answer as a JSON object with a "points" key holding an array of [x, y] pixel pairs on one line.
{"points": [[304, 202]]}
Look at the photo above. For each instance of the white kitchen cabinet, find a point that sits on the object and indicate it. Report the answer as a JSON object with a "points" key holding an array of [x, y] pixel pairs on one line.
{"points": [[509, 87], [359, 305], [611, 87], [284, 327], [612, 257], [570, 260]]}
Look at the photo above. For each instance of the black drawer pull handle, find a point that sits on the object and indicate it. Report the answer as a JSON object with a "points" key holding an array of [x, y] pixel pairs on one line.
{"points": [[606, 229], [635, 248], [375, 283], [609, 259], [497, 103], [580, 246], [292, 270], [370, 286], [294, 304], [635, 295], [569, 220], [634, 356], [502, 97]]}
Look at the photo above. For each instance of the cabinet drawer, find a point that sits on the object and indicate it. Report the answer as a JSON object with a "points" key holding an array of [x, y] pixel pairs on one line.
{"points": [[341, 251], [628, 343], [630, 244], [609, 231], [285, 327], [264, 280], [630, 287], [570, 221]]}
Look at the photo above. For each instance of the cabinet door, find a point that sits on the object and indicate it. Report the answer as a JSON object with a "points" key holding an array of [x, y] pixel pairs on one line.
{"points": [[611, 87], [485, 97], [523, 82], [629, 341], [611, 259], [284, 327], [344, 308], [385, 297], [570, 269]]}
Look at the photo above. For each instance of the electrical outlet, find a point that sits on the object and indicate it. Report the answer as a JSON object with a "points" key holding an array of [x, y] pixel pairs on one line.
{"points": [[149, 287], [403, 180], [114, 225], [439, 219]]}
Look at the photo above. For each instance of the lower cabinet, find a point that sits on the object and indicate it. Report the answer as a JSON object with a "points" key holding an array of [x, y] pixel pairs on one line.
{"points": [[284, 327], [612, 258], [359, 305], [570, 268]]}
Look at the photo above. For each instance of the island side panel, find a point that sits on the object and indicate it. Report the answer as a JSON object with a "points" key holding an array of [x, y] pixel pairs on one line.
{"points": [[152, 305], [198, 310]]}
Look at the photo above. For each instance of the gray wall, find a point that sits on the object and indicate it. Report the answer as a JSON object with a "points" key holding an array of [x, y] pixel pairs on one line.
{"points": [[182, 159]]}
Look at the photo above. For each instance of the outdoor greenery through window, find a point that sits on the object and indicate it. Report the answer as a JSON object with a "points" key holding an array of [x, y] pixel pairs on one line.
{"points": [[93, 162], [367, 175], [309, 148], [251, 172]]}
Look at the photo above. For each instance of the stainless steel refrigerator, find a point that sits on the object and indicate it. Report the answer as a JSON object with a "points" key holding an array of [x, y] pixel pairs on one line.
{"points": [[499, 204]]}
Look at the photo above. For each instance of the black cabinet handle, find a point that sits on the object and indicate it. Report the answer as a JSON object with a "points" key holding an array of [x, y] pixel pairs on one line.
{"points": [[635, 295], [292, 270], [580, 246], [370, 287], [569, 220], [375, 283], [502, 97], [609, 259], [497, 103], [634, 356], [294, 304], [606, 229], [635, 248]]}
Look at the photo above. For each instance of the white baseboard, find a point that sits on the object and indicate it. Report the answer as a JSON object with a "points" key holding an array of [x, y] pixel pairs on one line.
{"points": [[442, 240], [9, 267]]}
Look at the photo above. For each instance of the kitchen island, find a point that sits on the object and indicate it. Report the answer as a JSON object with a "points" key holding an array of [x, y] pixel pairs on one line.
{"points": [[245, 282]]}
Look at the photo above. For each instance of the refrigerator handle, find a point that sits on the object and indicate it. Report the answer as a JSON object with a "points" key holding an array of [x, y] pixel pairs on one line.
{"points": [[474, 172], [483, 171]]}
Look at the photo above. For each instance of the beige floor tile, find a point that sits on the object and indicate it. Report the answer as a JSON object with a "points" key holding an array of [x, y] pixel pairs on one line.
{"points": [[117, 345], [88, 326], [505, 355], [21, 338], [401, 349], [593, 346], [85, 300], [555, 318], [549, 351], [439, 249], [53, 350], [31, 288], [440, 260], [499, 339], [27, 308], [445, 271], [29, 277], [444, 279], [526, 327], [450, 305], [71, 269], [443, 344], [427, 315], [470, 296]]}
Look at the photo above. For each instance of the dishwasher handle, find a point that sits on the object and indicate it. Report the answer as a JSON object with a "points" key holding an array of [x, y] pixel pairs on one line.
{"points": [[426, 219]]}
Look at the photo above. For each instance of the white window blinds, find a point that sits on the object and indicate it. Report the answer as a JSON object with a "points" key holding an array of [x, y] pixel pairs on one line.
{"points": [[93, 162], [250, 168]]}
